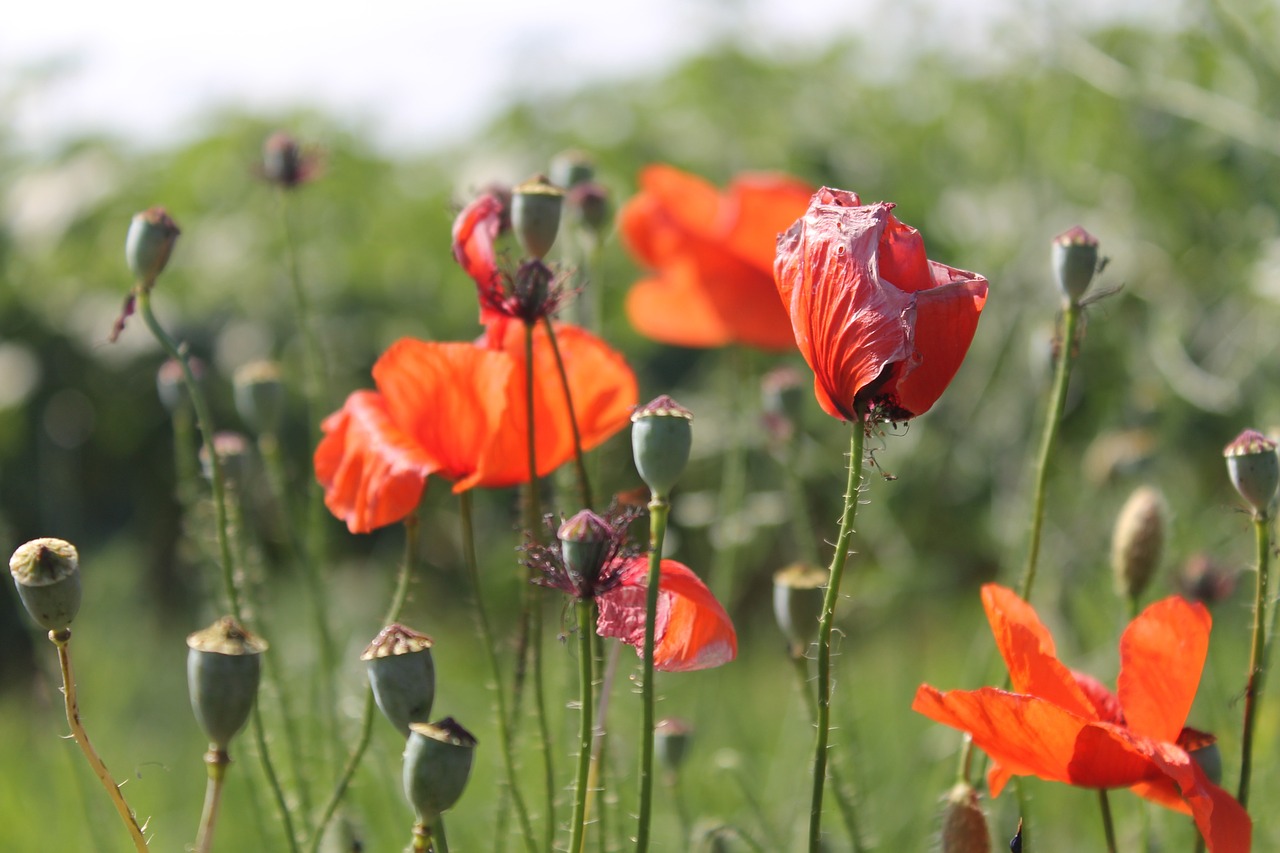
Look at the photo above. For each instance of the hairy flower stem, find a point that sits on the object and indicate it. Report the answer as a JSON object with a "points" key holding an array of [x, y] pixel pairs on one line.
{"points": [[1257, 653], [579, 459], [585, 731], [659, 509], [62, 641], [487, 641], [1107, 826], [273, 780], [847, 811], [825, 624], [398, 599], [217, 761]]}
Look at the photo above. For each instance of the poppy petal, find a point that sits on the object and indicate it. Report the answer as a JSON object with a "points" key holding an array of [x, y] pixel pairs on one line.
{"points": [[373, 473], [1223, 822], [474, 233], [692, 630], [946, 320], [756, 209], [1162, 654]]}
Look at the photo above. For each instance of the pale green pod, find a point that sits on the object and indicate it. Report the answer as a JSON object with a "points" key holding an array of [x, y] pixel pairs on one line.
{"points": [[536, 206], [798, 593], [223, 671], [661, 437], [47, 574], [402, 675], [437, 764]]}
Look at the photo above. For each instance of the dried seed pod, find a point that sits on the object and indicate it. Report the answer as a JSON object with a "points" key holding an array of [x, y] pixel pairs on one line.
{"points": [[47, 572]]}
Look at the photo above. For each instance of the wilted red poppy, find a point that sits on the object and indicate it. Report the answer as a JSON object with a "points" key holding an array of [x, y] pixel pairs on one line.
{"points": [[712, 254], [1066, 727], [693, 631], [459, 410], [883, 327]]}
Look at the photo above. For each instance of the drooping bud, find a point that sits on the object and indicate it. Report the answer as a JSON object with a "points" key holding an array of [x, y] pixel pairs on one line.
{"points": [[672, 738], [1075, 261], [1254, 468], [260, 395], [282, 161], [964, 826], [437, 764], [1137, 541], [571, 168], [798, 593], [589, 203], [222, 677], [535, 215], [661, 436], [171, 386], [402, 675], [232, 449], [149, 243], [47, 572], [1206, 580]]}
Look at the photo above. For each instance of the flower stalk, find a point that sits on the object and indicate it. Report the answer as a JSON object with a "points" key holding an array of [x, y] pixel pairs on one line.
{"points": [[1257, 652], [586, 729], [659, 510]]}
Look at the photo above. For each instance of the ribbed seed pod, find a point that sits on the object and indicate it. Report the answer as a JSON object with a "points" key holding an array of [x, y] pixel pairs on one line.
{"points": [[437, 764]]}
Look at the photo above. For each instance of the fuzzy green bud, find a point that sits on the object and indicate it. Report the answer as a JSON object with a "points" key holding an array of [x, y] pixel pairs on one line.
{"points": [[672, 738], [535, 215], [1075, 262], [1254, 468], [149, 243], [661, 436], [964, 826], [47, 572], [571, 168], [437, 764], [402, 675], [260, 396], [798, 594], [223, 670], [1137, 541]]}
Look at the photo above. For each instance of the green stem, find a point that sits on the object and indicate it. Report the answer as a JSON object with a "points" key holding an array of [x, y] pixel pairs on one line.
{"points": [[486, 640], [659, 509], [438, 838], [580, 464], [398, 599], [62, 641], [825, 624], [273, 781], [1257, 653], [585, 729], [848, 813], [1107, 826], [205, 422], [217, 761]]}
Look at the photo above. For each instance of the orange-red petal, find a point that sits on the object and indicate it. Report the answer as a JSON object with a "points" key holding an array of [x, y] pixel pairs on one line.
{"points": [[1162, 654], [372, 472], [474, 232], [692, 629], [946, 320]]}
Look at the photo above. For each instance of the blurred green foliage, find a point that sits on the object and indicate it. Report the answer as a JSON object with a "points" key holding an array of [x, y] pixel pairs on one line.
{"points": [[1161, 142]]}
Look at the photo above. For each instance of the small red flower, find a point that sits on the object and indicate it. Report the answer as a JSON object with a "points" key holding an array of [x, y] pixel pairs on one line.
{"points": [[457, 410], [1066, 727], [712, 254], [883, 327], [693, 631]]}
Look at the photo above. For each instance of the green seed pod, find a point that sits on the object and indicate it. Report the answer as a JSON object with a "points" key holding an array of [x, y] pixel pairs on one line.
{"points": [[149, 243], [571, 168], [964, 826], [402, 675], [798, 593], [47, 572], [661, 435], [672, 738], [589, 204], [1208, 756], [1254, 468], [1075, 261], [437, 764], [586, 542], [260, 396], [1137, 542], [222, 677], [535, 215]]}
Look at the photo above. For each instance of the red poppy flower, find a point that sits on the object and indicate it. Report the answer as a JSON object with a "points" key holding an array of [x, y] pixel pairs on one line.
{"points": [[1066, 727], [713, 257], [459, 410], [693, 631], [883, 327]]}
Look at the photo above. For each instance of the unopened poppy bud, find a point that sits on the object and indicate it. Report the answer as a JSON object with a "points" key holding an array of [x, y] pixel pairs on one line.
{"points": [[171, 387], [1075, 261], [260, 395], [571, 168], [964, 826], [586, 541], [282, 161], [149, 243], [661, 435], [47, 572], [233, 457], [1137, 542], [590, 205], [798, 593], [437, 764], [222, 677], [672, 738], [1206, 580], [1254, 468], [535, 215], [402, 675]]}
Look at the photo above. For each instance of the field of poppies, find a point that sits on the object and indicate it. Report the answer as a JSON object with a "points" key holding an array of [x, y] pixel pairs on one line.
{"points": [[757, 477]]}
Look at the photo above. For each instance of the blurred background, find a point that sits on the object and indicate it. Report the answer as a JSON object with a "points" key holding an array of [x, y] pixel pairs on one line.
{"points": [[994, 127]]}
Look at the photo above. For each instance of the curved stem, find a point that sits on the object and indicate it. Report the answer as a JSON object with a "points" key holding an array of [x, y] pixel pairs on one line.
{"points": [[838, 559], [217, 761], [62, 641], [398, 599], [1257, 653], [1107, 826], [273, 781], [580, 464], [659, 509], [486, 640], [585, 729]]}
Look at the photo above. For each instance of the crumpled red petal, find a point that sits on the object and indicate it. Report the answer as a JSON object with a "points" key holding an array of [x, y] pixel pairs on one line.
{"points": [[475, 230]]}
